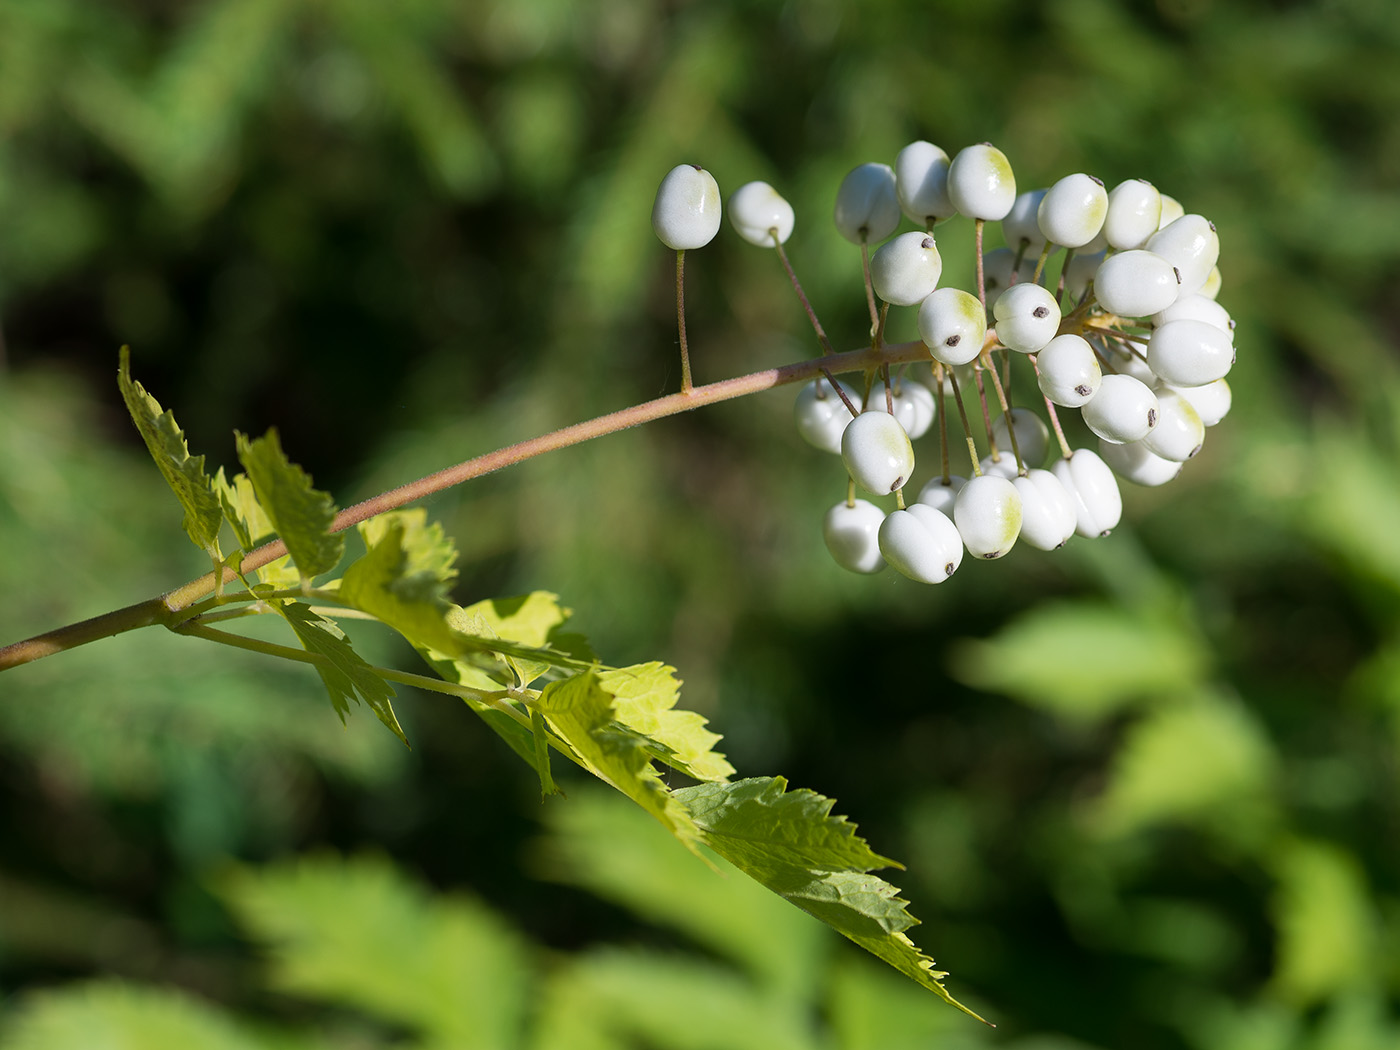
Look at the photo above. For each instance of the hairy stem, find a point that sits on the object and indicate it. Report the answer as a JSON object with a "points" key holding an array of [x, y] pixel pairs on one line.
{"points": [[166, 610]]}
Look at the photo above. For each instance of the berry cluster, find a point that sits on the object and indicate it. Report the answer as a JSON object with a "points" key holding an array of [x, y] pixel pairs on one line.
{"points": [[1104, 298]]}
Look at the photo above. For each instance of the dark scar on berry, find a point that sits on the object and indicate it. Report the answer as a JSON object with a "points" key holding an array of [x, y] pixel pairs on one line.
{"points": [[952, 340], [1040, 311], [950, 568], [1151, 417], [1083, 390]]}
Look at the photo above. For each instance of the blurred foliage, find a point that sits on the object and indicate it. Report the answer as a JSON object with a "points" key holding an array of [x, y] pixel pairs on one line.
{"points": [[1145, 787]]}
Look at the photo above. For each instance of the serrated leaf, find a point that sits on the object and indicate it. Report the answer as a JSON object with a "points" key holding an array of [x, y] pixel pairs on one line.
{"points": [[184, 473], [358, 933], [252, 526], [302, 515], [645, 699], [402, 579], [346, 675], [528, 619], [790, 842], [581, 711]]}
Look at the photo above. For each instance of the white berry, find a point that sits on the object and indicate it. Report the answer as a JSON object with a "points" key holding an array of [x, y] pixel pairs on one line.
{"points": [[867, 207], [1137, 463], [1021, 227], [953, 324], [1211, 401], [1171, 211], [921, 183], [1027, 317], [1032, 435], [981, 184], [1097, 502], [821, 416], [1179, 431], [1048, 514], [760, 214], [1134, 214], [906, 269], [1073, 210], [996, 271], [1068, 371], [877, 452], [1003, 466], [1136, 283], [922, 543], [1190, 353], [913, 405], [1191, 245], [941, 495], [987, 513], [1081, 271], [1123, 409], [687, 210], [1196, 307], [1211, 288], [852, 536]]}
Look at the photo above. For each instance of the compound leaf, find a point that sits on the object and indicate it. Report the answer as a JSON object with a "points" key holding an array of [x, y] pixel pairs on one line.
{"points": [[184, 473], [581, 711], [302, 515], [346, 675], [790, 842]]}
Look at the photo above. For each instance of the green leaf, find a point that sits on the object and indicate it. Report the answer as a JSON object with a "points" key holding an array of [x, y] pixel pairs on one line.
{"points": [[645, 700], [358, 933], [118, 1016], [301, 514], [541, 754], [1327, 927], [346, 675], [253, 527], [581, 711], [790, 842], [402, 580], [1202, 760], [604, 843], [529, 620], [182, 472], [1083, 660]]}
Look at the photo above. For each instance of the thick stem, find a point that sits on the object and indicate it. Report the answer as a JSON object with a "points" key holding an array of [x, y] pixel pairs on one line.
{"points": [[162, 610]]}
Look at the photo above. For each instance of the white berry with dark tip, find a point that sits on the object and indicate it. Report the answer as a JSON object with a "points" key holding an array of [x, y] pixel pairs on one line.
{"points": [[1072, 211], [1134, 214], [1179, 432], [1048, 514], [686, 213], [1190, 353], [1123, 409], [1027, 317], [877, 452], [953, 324], [1136, 283], [1068, 371], [1137, 463], [987, 513], [922, 543], [905, 269]]}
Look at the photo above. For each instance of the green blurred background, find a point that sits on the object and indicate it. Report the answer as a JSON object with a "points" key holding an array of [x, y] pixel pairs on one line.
{"points": [[1145, 787]]}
